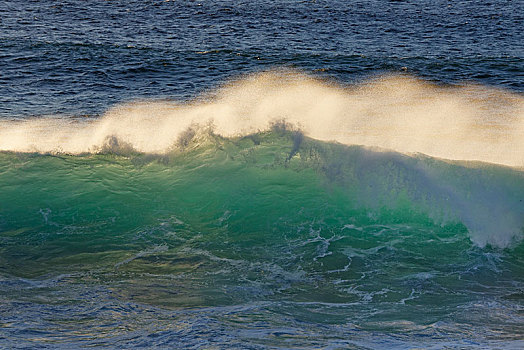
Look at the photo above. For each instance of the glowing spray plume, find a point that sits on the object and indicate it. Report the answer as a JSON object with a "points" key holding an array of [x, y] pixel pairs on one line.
{"points": [[394, 112]]}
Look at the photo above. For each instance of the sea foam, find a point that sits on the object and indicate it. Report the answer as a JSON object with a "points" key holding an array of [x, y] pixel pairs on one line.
{"points": [[400, 113]]}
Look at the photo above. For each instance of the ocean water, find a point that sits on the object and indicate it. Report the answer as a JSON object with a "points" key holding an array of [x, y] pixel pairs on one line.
{"points": [[262, 174]]}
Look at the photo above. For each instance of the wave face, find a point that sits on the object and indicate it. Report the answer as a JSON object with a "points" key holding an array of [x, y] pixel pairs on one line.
{"points": [[393, 112]]}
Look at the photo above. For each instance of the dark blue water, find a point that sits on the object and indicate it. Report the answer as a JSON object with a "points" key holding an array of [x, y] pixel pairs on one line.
{"points": [[267, 238], [79, 57]]}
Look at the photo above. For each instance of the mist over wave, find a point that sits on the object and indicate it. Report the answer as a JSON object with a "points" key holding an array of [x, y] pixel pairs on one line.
{"points": [[400, 113]]}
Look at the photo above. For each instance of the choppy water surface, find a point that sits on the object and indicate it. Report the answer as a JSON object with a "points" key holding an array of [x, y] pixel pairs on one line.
{"points": [[79, 58], [262, 174]]}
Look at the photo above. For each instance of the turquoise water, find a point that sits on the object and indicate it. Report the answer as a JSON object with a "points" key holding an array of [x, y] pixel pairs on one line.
{"points": [[268, 240]]}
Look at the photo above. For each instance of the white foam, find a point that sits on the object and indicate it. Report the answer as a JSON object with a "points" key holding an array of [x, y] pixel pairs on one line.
{"points": [[394, 112]]}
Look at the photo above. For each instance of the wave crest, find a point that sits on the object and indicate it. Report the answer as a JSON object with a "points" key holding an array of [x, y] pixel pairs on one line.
{"points": [[394, 112]]}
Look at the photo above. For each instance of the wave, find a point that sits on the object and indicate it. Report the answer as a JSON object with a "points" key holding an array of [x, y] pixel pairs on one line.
{"points": [[278, 177], [399, 113]]}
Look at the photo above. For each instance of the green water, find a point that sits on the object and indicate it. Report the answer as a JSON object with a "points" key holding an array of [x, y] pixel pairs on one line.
{"points": [[267, 239]]}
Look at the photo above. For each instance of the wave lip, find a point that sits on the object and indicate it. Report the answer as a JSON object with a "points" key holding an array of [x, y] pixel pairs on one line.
{"points": [[393, 112]]}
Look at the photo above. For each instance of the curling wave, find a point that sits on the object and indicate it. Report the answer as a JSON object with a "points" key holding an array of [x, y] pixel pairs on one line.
{"points": [[261, 180]]}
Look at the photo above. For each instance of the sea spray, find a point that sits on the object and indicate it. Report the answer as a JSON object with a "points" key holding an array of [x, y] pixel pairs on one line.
{"points": [[393, 112]]}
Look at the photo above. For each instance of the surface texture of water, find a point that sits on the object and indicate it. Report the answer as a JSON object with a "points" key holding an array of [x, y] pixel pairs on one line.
{"points": [[79, 57]]}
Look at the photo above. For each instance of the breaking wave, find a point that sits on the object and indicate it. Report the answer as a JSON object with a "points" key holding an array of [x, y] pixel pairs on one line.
{"points": [[398, 113]]}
